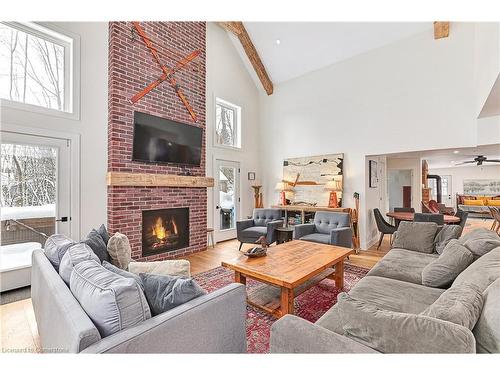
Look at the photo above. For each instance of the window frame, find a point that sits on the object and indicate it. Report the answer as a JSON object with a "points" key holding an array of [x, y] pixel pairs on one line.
{"points": [[71, 44], [237, 118]]}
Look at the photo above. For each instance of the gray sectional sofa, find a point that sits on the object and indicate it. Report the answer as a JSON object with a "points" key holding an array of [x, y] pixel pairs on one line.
{"points": [[391, 311], [212, 323]]}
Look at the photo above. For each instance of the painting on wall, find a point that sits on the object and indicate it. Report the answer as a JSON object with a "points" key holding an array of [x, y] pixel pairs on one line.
{"points": [[373, 172], [311, 179], [482, 187]]}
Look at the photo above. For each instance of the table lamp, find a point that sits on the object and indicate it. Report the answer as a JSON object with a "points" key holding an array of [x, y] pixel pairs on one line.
{"points": [[282, 187], [333, 187]]}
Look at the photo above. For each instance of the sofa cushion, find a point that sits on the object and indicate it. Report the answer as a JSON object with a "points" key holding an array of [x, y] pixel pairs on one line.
{"points": [[103, 232], [404, 265], [119, 250], [97, 244], [445, 235], [487, 329], [317, 237], [123, 273], [442, 271], [393, 332], [55, 248], [254, 232], [416, 236], [173, 267], [480, 241], [461, 305], [75, 254], [163, 293], [262, 216], [111, 301], [325, 221], [482, 272]]}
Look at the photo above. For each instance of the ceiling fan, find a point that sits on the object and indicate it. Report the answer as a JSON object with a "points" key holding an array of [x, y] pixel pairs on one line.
{"points": [[479, 160]]}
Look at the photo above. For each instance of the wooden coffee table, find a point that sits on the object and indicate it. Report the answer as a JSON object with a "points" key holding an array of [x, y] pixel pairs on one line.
{"points": [[288, 270]]}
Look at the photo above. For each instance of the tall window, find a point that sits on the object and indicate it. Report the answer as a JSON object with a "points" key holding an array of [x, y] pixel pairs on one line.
{"points": [[35, 66], [227, 124]]}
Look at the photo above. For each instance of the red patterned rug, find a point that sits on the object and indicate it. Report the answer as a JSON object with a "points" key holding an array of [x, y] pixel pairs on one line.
{"points": [[310, 305]]}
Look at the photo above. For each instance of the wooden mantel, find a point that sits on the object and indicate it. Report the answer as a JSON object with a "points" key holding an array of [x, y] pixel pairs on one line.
{"points": [[151, 179]]}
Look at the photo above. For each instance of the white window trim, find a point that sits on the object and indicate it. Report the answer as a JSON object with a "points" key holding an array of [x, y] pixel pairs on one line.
{"points": [[237, 110], [53, 33]]}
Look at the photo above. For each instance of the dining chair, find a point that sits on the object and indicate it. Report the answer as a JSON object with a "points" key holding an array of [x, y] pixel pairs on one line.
{"points": [[495, 214], [462, 215], [383, 226], [425, 218]]}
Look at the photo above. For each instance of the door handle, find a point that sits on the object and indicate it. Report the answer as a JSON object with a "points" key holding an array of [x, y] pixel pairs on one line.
{"points": [[217, 207], [63, 219]]}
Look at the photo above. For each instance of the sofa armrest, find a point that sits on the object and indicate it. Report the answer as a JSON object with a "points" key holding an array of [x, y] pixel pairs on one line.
{"points": [[213, 323], [341, 237], [242, 225], [292, 334], [301, 230], [271, 230]]}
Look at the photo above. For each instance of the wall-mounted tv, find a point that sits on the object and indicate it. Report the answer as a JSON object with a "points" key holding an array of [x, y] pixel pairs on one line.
{"points": [[158, 140]]}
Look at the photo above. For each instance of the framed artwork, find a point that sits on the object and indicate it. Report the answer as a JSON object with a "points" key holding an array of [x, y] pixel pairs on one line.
{"points": [[482, 187], [373, 173], [251, 176]]}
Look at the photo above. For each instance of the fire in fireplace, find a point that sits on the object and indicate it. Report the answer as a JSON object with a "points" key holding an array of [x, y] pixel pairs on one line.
{"points": [[164, 230]]}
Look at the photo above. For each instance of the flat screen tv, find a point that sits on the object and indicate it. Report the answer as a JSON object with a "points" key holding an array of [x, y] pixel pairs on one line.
{"points": [[158, 140]]}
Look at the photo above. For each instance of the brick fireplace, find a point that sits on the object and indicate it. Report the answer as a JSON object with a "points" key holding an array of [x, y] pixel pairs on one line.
{"points": [[131, 68]]}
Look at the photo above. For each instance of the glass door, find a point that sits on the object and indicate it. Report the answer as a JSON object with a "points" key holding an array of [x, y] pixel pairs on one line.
{"points": [[35, 188], [446, 191], [227, 199]]}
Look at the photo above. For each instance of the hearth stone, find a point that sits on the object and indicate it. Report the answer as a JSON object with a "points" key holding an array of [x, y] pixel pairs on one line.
{"points": [[164, 230]]}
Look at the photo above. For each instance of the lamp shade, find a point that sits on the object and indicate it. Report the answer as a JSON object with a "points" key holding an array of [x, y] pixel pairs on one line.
{"points": [[333, 186]]}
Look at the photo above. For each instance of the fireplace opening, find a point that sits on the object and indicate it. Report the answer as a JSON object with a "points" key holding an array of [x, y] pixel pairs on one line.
{"points": [[164, 230]]}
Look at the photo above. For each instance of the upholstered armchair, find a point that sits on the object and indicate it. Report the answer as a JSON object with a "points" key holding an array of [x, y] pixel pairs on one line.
{"points": [[264, 222], [333, 228]]}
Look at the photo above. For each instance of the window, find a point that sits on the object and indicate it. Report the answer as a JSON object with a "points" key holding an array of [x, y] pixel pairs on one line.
{"points": [[227, 124], [35, 66]]}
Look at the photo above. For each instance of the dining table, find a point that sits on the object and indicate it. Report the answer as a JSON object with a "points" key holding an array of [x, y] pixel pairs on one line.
{"points": [[408, 216]]}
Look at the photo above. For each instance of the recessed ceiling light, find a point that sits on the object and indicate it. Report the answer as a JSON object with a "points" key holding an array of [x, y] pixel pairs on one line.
{"points": [[456, 152], [278, 42]]}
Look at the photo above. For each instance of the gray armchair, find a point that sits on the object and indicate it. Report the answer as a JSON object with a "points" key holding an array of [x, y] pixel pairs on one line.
{"points": [[333, 228], [264, 221]]}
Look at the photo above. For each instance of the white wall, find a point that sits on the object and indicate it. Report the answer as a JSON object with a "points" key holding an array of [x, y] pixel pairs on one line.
{"points": [[415, 94], [459, 174], [92, 125], [228, 79]]}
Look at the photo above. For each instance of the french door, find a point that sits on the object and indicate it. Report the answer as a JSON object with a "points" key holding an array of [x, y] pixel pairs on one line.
{"points": [[447, 191], [35, 187], [226, 199]]}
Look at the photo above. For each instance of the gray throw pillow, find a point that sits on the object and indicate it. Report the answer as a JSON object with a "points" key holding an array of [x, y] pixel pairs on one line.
{"points": [[395, 332], [163, 293], [111, 301], [76, 254], [416, 236], [123, 273], [119, 250], [482, 272], [487, 329], [480, 241], [461, 305], [96, 243], [441, 272], [447, 233], [55, 248], [103, 232]]}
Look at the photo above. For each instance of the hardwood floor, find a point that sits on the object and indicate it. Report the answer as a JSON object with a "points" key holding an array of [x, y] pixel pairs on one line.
{"points": [[17, 321]]}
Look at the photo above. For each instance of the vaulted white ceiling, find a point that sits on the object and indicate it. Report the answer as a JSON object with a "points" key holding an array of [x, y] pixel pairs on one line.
{"points": [[308, 46]]}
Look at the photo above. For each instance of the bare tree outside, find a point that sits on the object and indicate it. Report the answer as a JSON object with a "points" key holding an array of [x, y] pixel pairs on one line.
{"points": [[31, 69], [225, 126]]}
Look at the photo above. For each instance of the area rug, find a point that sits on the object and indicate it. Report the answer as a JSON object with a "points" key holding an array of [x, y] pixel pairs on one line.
{"points": [[310, 305]]}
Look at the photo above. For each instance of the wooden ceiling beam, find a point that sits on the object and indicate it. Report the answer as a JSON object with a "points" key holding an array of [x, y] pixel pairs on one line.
{"points": [[441, 30], [240, 32]]}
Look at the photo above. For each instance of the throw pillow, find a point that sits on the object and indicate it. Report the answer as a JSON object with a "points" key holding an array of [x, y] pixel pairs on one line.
{"points": [[119, 250], [480, 241], [394, 332], [460, 305], [103, 232], [447, 233], [123, 273], [441, 272], [487, 328], [176, 267], [76, 253], [482, 272], [55, 248], [163, 293], [96, 243], [111, 301], [416, 236]]}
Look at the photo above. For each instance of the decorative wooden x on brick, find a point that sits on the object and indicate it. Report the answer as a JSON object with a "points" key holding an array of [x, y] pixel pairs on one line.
{"points": [[167, 73]]}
